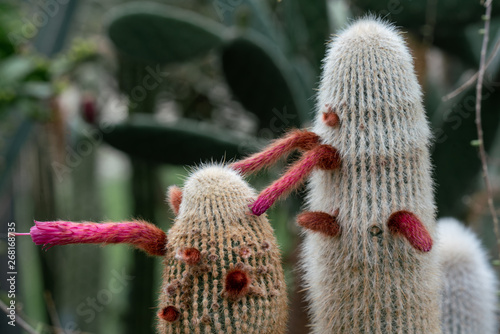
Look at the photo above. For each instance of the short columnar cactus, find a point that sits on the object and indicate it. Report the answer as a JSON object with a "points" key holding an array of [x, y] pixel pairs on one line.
{"points": [[222, 271], [222, 266], [368, 258], [469, 283]]}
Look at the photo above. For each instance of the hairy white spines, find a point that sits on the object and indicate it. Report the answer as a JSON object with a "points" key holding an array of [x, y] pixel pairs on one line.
{"points": [[369, 80], [469, 282], [368, 279], [220, 186]]}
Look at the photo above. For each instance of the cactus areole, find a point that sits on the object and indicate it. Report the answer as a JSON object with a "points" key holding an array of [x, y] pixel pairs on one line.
{"points": [[370, 220]]}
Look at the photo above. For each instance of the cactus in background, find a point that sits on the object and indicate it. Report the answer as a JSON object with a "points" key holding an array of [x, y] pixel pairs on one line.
{"points": [[249, 58], [368, 258], [184, 142], [222, 266], [154, 33], [276, 97], [469, 287]]}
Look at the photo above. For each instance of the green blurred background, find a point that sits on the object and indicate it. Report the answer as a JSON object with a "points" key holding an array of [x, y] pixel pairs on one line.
{"points": [[103, 104]]}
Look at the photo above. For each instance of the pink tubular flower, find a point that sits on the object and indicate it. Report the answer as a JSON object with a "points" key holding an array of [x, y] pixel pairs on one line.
{"points": [[141, 234]]}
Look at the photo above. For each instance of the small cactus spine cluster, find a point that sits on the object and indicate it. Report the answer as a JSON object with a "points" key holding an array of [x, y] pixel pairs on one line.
{"points": [[222, 266], [380, 273], [469, 282]]}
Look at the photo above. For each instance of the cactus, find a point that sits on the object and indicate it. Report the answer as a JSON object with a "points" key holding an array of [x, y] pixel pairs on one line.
{"points": [[275, 97], [308, 28], [469, 284], [184, 142], [244, 57], [155, 33], [248, 15], [368, 259], [222, 266], [452, 121], [383, 140]]}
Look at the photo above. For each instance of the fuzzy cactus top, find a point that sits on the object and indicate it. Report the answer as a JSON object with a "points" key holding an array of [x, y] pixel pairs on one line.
{"points": [[222, 266], [380, 273]]}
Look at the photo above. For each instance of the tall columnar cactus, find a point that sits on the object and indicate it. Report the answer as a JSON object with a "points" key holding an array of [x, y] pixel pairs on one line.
{"points": [[376, 281], [222, 271], [368, 258], [222, 266], [469, 285]]}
